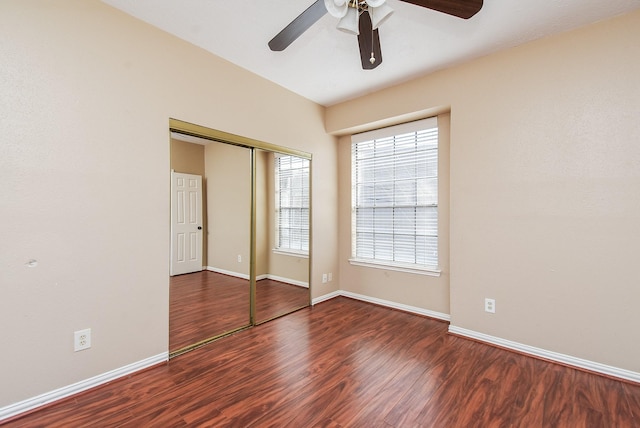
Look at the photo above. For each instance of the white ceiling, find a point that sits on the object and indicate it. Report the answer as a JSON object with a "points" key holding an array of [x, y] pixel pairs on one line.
{"points": [[323, 65]]}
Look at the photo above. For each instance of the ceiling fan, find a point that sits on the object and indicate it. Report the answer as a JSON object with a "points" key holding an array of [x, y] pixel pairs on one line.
{"points": [[362, 18]]}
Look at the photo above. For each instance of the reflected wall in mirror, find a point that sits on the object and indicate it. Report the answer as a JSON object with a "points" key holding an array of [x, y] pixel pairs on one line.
{"points": [[214, 300], [282, 234]]}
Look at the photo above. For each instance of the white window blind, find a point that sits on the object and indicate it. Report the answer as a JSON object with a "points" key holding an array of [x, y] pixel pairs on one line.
{"points": [[395, 195], [292, 203]]}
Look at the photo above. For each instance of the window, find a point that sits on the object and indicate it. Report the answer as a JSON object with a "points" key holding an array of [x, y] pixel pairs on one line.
{"points": [[395, 197], [292, 204]]}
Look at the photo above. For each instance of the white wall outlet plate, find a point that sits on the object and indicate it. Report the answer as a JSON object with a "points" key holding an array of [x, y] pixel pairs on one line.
{"points": [[490, 305], [81, 339]]}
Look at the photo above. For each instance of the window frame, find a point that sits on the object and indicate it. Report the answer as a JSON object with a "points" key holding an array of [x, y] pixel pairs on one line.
{"points": [[305, 202], [371, 137]]}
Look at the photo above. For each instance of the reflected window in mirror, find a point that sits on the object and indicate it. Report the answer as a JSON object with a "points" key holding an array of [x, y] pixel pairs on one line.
{"points": [[292, 204]]}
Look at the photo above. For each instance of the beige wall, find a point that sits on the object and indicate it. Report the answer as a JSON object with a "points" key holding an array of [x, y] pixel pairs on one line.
{"points": [[228, 172], [264, 195], [187, 158], [545, 191], [87, 93]]}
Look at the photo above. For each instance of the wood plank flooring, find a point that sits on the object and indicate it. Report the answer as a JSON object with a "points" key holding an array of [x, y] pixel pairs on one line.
{"points": [[275, 298], [206, 304], [345, 363]]}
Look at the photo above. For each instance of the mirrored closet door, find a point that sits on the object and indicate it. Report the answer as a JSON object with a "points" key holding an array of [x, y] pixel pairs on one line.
{"points": [[254, 232], [282, 234], [213, 299]]}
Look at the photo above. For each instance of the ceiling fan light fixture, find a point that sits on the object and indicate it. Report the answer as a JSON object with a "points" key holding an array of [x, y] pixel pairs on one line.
{"points": [[349, 23], [337, 8], [374, 3], [379, 14]]}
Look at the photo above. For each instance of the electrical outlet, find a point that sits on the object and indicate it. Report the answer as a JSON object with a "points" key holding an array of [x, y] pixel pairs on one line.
{"points": [[81, 339], [330, 277], [324, 278], [239, 258], [490, 305]]}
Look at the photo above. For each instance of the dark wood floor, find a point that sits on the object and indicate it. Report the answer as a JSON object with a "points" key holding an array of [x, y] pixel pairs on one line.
{"points": [[345, 363], [207, 304], [275, 298]]}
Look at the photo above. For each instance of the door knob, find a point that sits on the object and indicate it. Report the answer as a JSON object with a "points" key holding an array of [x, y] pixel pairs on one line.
{"points": [[199, 227]]}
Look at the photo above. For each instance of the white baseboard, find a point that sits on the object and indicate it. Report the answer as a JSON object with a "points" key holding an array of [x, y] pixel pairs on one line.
{"points": [[286, 280], [259, 277], [382, 302], [228, 272], [67, 391], [548, 355], [325, 297]]}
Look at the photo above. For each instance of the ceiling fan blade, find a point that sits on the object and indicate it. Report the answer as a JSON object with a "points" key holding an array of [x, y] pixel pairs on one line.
{"points": [[461, 8], [298, 26], [369, 41]]}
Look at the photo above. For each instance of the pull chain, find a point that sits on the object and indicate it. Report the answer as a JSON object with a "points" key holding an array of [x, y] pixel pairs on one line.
{"points": [[373, 58]]}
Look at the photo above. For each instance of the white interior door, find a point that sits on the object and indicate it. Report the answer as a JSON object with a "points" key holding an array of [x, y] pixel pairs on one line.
{"points": [[186, 223]]}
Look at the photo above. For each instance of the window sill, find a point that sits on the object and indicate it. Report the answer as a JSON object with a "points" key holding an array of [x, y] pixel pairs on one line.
{"points": [[291, 253], [429, 271]]}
